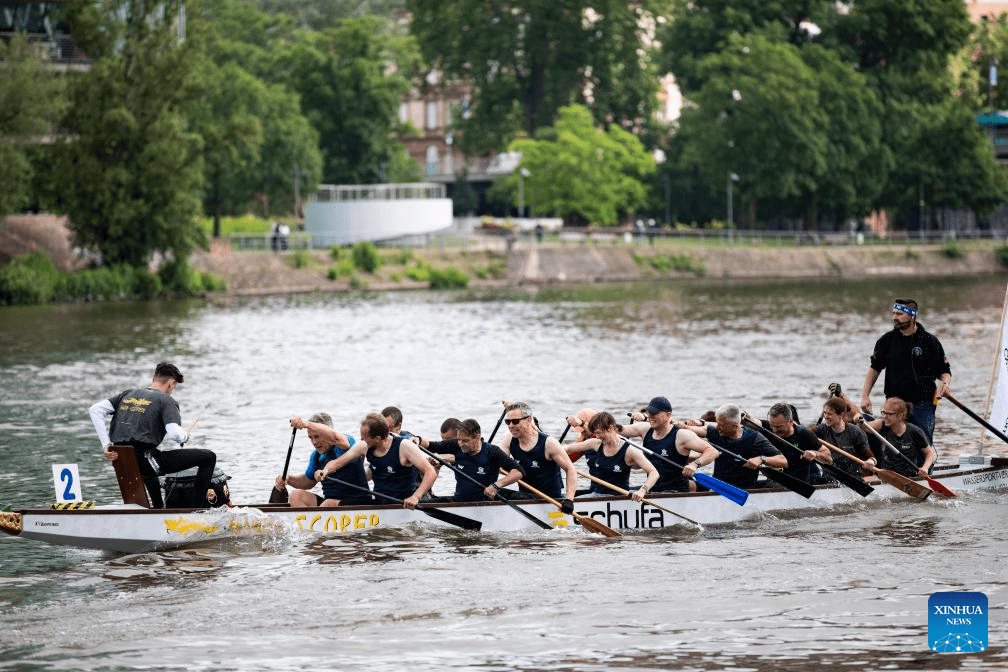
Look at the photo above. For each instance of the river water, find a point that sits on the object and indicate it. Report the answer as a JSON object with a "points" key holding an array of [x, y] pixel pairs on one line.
{"points": [[823, 591]]}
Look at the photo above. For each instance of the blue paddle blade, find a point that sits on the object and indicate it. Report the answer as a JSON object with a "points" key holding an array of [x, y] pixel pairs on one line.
{"points": [[737, 495]]}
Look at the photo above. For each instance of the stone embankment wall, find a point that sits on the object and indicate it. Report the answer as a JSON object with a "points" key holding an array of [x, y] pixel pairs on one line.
{"points": [[529, 263], [592, 263]]}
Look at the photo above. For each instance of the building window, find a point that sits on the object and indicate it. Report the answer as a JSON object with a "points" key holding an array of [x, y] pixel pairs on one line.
{"points": [[433, 162], [403, 112], [432, 120]]}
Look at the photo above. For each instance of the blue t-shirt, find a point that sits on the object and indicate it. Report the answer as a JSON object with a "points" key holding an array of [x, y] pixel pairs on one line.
{"points": [[319, 460]]}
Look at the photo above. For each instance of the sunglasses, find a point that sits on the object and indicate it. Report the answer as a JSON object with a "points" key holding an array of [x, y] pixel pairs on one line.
{"points": [[514, 421]]}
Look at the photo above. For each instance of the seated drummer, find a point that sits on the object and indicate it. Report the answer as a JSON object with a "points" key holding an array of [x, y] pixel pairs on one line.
{"points": [[474, 457], [336, 454]]}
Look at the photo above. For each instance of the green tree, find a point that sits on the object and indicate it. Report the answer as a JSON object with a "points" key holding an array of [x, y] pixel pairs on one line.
{"points": [[987, 46], [526, 59], [857, 161], [906, 51], [232, 138], [31, 101], [757, 115], [350, 94], [290, 148], [132, 172], [323, 14], [602, 170], [244, 42], [697, 29]]}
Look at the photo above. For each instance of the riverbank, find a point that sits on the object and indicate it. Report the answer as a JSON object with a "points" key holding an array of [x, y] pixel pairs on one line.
{"points": [[489, 264]]}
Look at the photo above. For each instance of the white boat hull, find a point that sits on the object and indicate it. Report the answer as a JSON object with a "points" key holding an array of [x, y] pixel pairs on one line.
{"points": [[131, 528]]}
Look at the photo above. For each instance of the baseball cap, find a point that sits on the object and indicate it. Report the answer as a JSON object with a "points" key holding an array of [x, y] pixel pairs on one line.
{"points": [[659, 404]]}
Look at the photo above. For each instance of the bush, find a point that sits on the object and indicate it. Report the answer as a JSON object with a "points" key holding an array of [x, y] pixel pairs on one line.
{"points": [[146, 284], [448, 278], [34, 279], [403, 257], [212, 283], [29, 279], [1002, 255], [357, 282], [298, 259], [952, 251], [335, 252], [419, 273], [365, 256]]}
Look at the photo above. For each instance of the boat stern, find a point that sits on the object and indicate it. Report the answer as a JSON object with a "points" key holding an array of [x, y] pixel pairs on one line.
{"points": [[11, 522]]}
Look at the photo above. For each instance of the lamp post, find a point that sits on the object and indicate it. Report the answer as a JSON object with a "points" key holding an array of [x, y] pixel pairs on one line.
{"points": [[732, 177], [522, 174], [298, 174]]}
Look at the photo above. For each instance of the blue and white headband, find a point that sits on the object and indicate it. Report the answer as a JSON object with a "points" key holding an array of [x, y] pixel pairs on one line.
{"points": [[904, 309]]}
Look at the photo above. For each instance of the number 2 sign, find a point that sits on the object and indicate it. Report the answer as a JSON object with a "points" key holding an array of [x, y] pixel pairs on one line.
{"points": [[67, 483]]}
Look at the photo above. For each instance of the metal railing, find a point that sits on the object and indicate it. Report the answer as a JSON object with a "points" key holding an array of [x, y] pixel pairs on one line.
{"points": [[333, 193]]}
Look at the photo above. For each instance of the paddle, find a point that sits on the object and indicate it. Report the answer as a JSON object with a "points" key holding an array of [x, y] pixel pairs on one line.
{"points": [[499, 497], [616, 488], [727, 490], [586, 522], [898, 481], [991, 428], [497, 426], [853, 482], [439, 514], [935, 484], [278, 496], [787, 480]]}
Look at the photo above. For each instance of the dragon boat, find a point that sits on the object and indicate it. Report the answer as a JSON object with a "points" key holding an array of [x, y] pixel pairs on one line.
{"points": [[135, 528]]}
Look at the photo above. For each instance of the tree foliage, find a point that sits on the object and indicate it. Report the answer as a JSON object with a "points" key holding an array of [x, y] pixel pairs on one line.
{"points": [[851, 95], [350, 95], [526, 59], [584, 173], [31, 101], [132, 170]]}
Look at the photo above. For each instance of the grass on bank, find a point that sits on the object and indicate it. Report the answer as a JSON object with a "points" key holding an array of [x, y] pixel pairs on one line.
{"points": [[33, 279], [365, 260]]}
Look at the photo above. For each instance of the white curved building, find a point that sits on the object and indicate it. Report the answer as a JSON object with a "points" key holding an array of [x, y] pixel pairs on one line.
{"points": [[344, 214]]}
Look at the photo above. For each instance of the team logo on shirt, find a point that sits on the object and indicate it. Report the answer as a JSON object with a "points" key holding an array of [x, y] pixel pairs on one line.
{"points": [[617, 469], [481, 470], [917, 352], [534, 464], [390, 469]]}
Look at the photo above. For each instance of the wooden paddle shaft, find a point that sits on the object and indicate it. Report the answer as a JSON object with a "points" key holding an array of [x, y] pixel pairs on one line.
{"points": [[587, 522], [898, 481], [936, 485]]}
